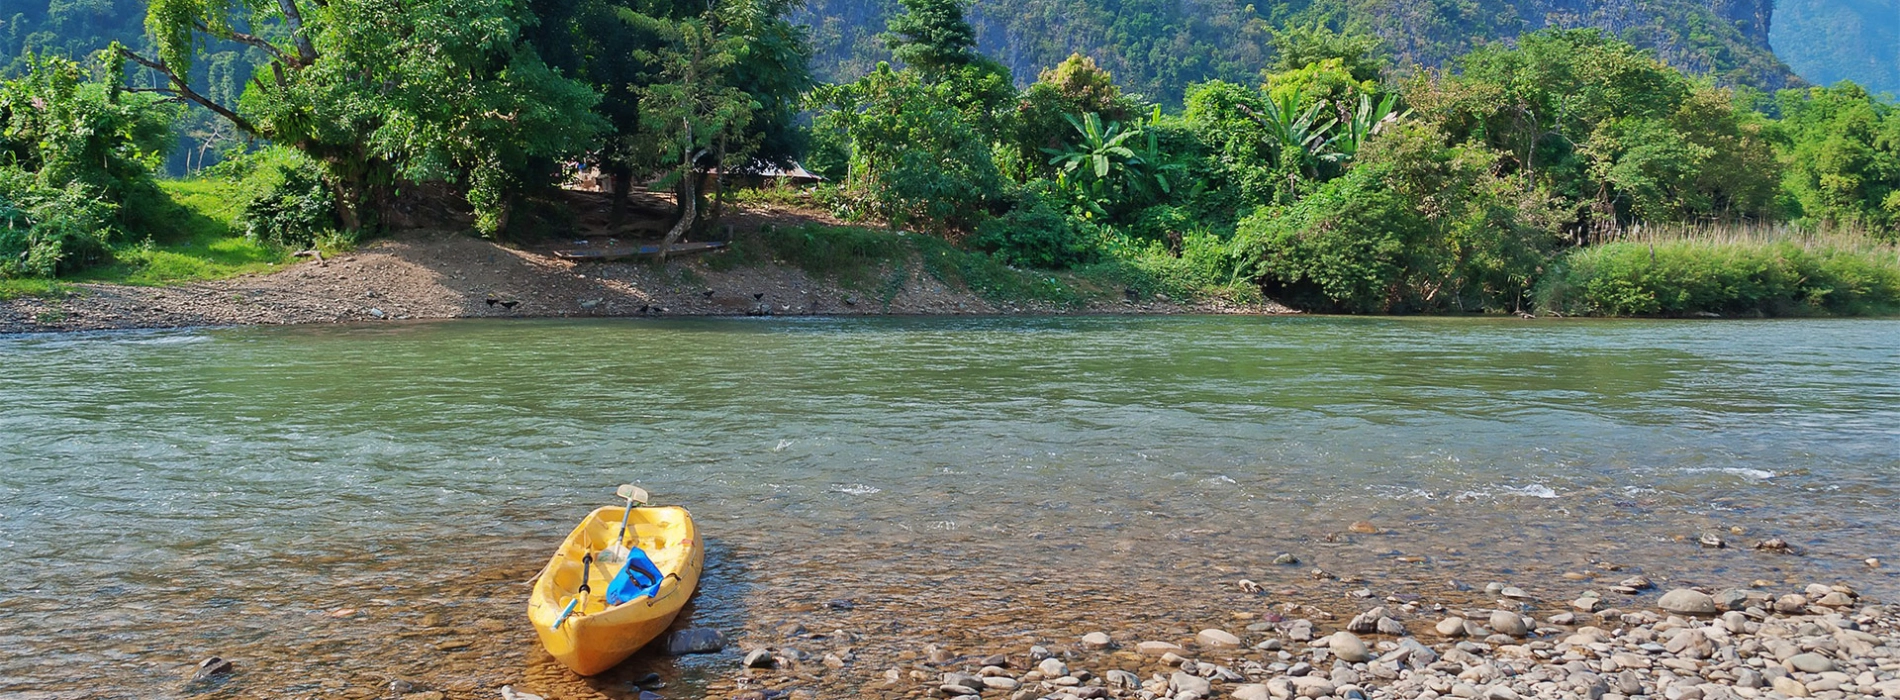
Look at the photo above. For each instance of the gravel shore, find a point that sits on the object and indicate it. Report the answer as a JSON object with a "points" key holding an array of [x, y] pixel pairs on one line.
{"points": [[1820, 641]]}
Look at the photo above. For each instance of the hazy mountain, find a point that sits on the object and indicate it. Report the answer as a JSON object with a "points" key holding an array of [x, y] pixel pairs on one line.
{"points": [[1827, 41]]}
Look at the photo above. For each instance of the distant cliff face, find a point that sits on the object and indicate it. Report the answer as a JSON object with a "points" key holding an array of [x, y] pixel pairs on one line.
{"points": [[1159, 47]]}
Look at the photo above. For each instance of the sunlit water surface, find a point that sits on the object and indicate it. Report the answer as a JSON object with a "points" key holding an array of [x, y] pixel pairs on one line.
{"points": [[337, 507]]}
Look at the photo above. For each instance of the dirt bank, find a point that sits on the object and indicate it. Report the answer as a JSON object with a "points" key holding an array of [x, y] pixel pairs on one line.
{"points": [[440, 274]]}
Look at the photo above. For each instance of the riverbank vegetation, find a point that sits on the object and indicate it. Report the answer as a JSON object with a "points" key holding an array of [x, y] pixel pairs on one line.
{"points": [[1509, 181]]}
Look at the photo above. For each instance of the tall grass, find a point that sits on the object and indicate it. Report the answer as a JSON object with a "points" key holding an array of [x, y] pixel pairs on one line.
{"points": [[1746, 270]]}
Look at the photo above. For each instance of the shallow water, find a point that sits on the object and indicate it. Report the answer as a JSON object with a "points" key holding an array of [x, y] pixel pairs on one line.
{"points": [[336, 507]]}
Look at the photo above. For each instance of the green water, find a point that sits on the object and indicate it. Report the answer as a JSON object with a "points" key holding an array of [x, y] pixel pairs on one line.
{"points": [[165, 496]]}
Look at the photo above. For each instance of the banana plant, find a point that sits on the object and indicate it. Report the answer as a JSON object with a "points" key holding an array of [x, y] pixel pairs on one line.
{"points": [[1298, 138], [1367, 120], [1101, 148], [1151, 168]]}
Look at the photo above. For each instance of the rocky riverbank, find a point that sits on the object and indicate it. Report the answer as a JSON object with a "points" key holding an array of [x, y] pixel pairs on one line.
{"points": [[1820, 641]]}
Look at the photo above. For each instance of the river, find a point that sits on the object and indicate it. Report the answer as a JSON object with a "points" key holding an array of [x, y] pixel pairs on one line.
{"points": [[333, 508]]}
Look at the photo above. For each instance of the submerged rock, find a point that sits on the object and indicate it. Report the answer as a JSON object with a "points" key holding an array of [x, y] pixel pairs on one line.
{"points": [[695, 640]]}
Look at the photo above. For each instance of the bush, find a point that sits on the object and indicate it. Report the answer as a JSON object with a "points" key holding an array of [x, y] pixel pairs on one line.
{"points": [[1734, 277], [1035, 233], [284, 197], [45, 231]]}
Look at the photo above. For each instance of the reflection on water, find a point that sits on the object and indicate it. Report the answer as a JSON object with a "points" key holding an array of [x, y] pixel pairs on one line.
{"points": [[335, 508]]}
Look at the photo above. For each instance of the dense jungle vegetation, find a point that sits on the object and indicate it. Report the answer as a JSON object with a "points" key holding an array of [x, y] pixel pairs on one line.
{"points": [[1569, 171]]}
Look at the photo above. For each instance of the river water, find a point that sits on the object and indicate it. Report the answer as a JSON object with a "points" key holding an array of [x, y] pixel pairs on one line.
{"points": [[335, 508]]}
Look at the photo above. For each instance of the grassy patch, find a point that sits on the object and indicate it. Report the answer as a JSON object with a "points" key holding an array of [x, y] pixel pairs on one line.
{"points": [[852, 256], [202, 246], [198, 243], [1730, 273], [31, 287]]}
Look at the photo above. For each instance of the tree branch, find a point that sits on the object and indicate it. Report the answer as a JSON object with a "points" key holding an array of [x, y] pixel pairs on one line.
{"points": [[294, 18], [184, 90], [249, 40]]}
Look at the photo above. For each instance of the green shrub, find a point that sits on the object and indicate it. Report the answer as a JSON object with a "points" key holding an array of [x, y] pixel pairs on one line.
{"points": [[46, 231], [1733, 277], [1035, 233], [282, 196]]}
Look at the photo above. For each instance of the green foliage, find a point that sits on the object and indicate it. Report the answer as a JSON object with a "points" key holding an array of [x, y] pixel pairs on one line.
{"points": [[284, 198], [75, 168], [1358, 56], [46, 231], [1414, 226], [916, 157], [1729, 277], [1842, 158], [380, 91], [1037, 233], [1616, 133], [932, 36]]}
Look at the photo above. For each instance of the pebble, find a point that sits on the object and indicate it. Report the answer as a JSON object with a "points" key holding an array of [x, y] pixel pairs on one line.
{"points": [[1685, 601], [1348, 647], [1216, 639], [1158, 648], [1181, 682], [1509, 623], [1810, 662], [1097, 640], [1451, 627], [1789, 687], [1053, 668], [212, 667], [760, 658]]}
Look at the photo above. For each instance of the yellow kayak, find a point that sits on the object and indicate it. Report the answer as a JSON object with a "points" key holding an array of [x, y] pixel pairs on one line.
{"points": [[584, 631]]}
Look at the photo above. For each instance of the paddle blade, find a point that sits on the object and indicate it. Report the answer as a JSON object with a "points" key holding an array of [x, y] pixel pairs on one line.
{"points": [[633, 494]]}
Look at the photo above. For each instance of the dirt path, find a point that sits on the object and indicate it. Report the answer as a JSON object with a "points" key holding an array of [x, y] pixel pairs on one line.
{"points": [[439, 274]]}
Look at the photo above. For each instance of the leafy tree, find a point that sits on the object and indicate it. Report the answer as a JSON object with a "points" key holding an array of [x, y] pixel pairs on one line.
{"points": [[932, 36], [1414, 225], [1359, 56], [692, 112], [1043, 112], [1609, 128], [915, 156], [1841, 148], [382, 91]]}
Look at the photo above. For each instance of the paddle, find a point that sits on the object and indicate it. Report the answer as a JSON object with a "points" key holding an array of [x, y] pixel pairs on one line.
{"points": [[635, 496]]}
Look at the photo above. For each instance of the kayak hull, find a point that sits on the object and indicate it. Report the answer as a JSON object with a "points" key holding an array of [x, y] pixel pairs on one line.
{"points": [[595, 636]]}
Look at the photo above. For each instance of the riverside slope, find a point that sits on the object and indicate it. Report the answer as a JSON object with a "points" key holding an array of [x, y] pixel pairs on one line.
{"points": [[443, 275]]}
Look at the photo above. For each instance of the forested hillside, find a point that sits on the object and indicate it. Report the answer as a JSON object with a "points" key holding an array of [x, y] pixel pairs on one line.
{"points": [[1827, 41], [1158, 47]]}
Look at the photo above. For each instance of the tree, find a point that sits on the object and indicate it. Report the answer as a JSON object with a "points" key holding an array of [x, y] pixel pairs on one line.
{"points": [[1841, 148], [693, 114], [1359, 55], [932, 36], [915, 155], [382, 92]]}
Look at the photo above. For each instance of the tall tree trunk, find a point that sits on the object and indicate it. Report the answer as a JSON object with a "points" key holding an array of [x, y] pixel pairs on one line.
{"points": [[622, 177], [688, 196]]}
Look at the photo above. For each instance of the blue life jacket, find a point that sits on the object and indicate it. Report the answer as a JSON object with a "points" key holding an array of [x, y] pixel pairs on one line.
{"points": [[638, 578]]}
